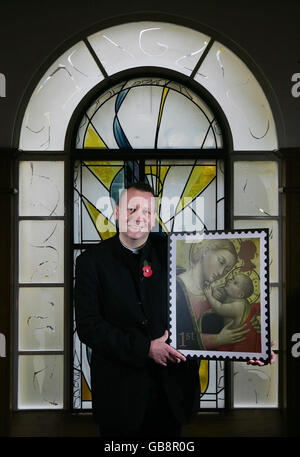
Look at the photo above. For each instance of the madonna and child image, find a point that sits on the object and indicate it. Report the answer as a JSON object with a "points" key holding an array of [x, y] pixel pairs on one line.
{"points": [[218, 284]]}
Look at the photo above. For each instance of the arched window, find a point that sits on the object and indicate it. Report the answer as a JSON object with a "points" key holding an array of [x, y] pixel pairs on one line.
{"points": [[151, 117], [142, 100]]}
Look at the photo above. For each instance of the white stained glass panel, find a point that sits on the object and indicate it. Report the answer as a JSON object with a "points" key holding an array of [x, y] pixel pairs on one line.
{"points": [[94, 208], [240, 95], [209, 197], [41, 312], [220, 215], [77, 370], [40, 384], [41, 188], [220, 195], [94, 190], [254, 386], [274, 317], [155, 44], [89, 227], [77, 203], [255, 189], [191, 218], [41, 251], [191, 130], [81, 361], [97, 130], [55, 98], [147, 113], [187, 193], [214, 393], [273, 241]]}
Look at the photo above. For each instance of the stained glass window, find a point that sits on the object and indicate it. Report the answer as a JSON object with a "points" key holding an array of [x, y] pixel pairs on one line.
{"points": [[148, 113], [56, 96], [256, 205], [189, 185], [41, 385], [152, 113], [155, 44], [41, 280], [149, 44], [236, 89]]}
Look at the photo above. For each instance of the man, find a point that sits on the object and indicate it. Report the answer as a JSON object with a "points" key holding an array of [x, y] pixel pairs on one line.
{"points": [[141, 386]]}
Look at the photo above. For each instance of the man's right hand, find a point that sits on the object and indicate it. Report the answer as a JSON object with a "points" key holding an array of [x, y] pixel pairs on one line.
{"points": [[161, 352]]}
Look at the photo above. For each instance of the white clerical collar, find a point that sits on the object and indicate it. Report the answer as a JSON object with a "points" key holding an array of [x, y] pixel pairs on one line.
{"points": [[134, 250]]}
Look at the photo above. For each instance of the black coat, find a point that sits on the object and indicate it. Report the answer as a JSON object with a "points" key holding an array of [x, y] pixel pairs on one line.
{"points": [[118, 313]]}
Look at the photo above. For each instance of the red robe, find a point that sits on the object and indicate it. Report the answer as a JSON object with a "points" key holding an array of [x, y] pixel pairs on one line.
{"points": [[252, 343]]}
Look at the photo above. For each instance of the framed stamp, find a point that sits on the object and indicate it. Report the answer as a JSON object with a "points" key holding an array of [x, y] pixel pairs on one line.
{"points": [[219, 294]]}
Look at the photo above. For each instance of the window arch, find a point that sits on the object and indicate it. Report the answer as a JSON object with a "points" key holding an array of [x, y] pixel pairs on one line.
{"points": [[98, 60], [160, 125], [157, 45]]}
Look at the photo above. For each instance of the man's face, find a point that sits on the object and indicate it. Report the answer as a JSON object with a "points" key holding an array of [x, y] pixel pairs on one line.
{"points": [[136, 215]]}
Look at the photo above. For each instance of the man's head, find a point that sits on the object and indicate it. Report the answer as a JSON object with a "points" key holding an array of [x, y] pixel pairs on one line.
{"points": [[135, 213]]}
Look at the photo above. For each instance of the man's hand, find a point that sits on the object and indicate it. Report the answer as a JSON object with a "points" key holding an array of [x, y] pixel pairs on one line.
{"points": [[262, 364], [161, 352]]}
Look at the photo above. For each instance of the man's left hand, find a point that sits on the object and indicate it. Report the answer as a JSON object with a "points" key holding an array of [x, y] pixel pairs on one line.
{"points": [[261, 364]]}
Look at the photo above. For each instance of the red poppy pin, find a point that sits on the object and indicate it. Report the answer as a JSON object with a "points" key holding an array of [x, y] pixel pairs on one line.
{"points": [[147, 271]]}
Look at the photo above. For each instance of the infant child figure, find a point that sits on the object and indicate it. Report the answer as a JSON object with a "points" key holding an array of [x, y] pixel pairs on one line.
{"points": [[234, 299], [232, 303]]}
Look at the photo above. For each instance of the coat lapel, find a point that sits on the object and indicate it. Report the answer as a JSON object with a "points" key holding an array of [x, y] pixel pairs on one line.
{"points": [[151, 287]]}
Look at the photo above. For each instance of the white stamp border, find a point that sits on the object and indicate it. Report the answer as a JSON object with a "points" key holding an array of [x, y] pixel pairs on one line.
{"points": [[263, 235]]}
